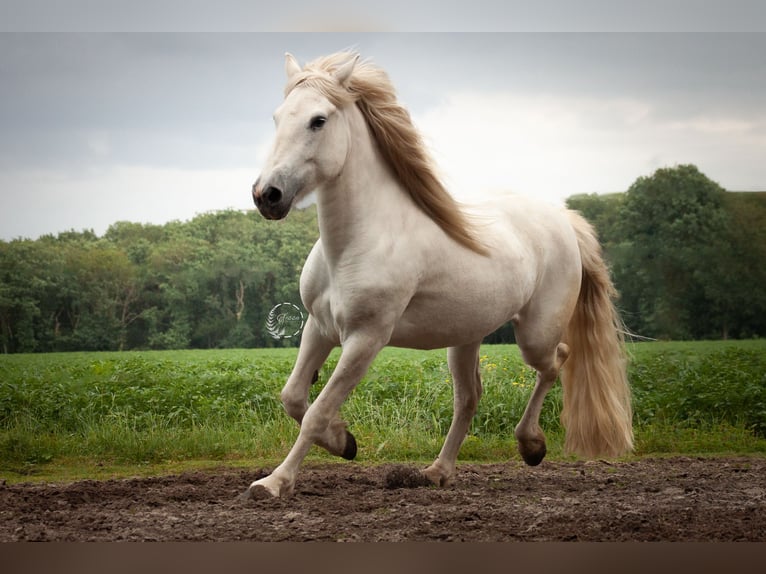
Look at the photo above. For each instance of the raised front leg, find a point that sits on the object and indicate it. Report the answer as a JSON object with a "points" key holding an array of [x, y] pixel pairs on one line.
{"points": [[312, 354], [464, 366], [319, 422]]}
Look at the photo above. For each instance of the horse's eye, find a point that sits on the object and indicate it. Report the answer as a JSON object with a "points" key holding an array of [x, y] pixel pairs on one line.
{"points": [[317, 123]]}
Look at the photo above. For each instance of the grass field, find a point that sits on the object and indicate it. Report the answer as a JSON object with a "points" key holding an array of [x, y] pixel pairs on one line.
{"points": [[76, 415]]}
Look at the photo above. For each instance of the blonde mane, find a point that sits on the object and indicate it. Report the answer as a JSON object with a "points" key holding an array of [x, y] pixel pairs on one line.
{"points": [[398, 140]]}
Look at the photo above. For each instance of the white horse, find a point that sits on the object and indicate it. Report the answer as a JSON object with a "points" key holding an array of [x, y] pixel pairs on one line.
{"points": [[400, 263]]}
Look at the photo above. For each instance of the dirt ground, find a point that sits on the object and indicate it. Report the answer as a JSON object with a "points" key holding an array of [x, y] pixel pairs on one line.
{"points": [[677, 499]]}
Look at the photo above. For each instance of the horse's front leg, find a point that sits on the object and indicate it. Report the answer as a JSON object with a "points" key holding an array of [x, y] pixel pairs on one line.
{"points": [[319, 424], [312, 354]]}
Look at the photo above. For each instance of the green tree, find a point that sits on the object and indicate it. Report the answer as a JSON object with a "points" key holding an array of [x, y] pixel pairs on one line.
{"points": [[19, 307], [103, 291], [741, 294], [208, 282], [674, 228], [603, 212]]}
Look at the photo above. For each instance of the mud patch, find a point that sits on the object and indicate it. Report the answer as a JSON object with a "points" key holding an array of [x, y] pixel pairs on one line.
{"points": [[679, 499]]}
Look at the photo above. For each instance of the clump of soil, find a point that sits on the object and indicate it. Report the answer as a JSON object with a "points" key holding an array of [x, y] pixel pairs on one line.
{"points": [[405, 477], [678, 499]]}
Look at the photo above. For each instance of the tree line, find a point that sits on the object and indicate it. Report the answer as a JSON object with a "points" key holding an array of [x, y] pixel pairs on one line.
{"points": [[207, 283], [687, 258]]}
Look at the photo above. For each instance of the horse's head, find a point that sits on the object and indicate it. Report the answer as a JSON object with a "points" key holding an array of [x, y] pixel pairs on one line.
{"points": [[311, 141]]}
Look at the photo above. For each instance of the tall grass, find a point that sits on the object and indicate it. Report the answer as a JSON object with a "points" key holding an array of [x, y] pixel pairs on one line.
{"points": [[152, 407]]}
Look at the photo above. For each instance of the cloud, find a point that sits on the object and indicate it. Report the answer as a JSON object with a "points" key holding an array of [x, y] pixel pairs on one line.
{"points": [[555, 146], [102, 127], [98, 143]]}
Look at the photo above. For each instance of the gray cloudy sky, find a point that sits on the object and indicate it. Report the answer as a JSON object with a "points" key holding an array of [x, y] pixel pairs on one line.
{"points": [[149, 127]]}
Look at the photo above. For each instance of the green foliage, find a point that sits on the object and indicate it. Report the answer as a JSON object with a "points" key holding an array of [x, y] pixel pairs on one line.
{"points": [[150, 407], [686, 256], [206, 283], [603, 212], [673, 224], [725, 386]]}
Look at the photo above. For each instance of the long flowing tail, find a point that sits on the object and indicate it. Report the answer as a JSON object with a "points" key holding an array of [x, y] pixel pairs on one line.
{"points": [[597, 413]]}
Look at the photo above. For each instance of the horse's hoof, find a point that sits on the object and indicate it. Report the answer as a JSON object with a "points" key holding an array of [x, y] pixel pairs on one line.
{"points": [[533, 452], [436, 476], [256, 492], [349, 452]]}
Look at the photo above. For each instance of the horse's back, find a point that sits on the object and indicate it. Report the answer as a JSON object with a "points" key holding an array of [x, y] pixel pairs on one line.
{"points": [[507, 220]]}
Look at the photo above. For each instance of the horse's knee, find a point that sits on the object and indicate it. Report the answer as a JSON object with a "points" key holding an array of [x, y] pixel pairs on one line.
{"points": [[294, 395], [295, 406]]}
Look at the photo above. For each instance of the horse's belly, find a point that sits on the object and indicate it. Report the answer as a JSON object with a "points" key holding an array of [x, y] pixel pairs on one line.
{"points": [[456, 301], [450, 321]]}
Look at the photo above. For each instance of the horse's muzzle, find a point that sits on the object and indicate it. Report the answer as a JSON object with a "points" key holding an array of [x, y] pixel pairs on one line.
{"points": [[270, 201]]}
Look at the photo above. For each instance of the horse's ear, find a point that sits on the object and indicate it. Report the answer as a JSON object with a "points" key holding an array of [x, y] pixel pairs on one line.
{"points": [[291, 65], [343, 73]]}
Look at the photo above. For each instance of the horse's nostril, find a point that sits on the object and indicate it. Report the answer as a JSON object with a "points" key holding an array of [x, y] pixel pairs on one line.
{"points": [[272, 195]]}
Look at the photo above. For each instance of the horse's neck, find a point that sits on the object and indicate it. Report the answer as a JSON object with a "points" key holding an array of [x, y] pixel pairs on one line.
{"points": [[364, 202]]}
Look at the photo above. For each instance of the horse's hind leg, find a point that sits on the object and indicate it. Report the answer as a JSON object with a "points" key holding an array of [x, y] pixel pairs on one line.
{"points": [[528, 432], [464, 366], [546, 355], [530, 436]]}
